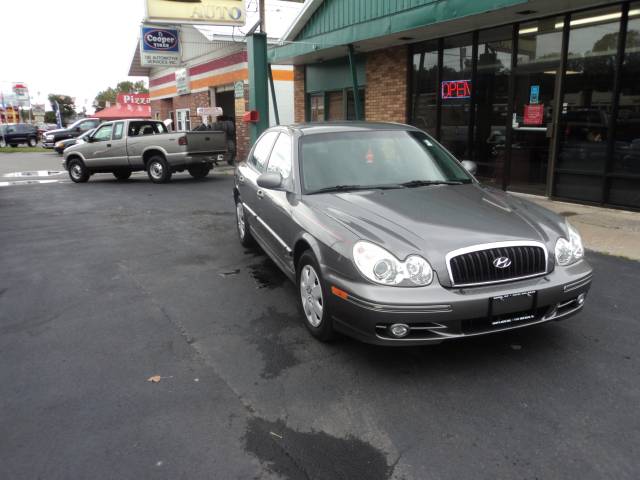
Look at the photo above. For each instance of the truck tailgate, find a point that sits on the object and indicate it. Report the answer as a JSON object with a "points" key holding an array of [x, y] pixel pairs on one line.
{"points": [[206, 142]]}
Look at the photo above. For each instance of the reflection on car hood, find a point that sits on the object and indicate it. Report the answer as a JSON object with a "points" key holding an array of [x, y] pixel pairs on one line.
{"points": [[435, 220], [53, 132]]}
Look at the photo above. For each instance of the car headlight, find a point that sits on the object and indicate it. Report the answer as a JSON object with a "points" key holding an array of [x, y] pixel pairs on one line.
{"points": [[49, 137], [380, 266], [59, 145], [571, 250]]}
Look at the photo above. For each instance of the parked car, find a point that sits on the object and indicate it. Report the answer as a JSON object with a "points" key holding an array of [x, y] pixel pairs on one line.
{"points": [[63, 144], [391, 241], [126, 146], [43, 128], [78, 128], [18, 134]]}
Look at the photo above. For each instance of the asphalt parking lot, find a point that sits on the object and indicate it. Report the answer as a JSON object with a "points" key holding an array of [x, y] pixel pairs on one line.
{"points": [[108, 283]]}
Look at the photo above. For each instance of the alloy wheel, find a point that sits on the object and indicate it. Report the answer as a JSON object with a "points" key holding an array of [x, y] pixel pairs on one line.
{"points": [[311, 295]]}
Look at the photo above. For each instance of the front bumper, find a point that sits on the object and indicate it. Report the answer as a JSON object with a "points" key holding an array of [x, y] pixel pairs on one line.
{"points": [[47, 144], [434, 313]]}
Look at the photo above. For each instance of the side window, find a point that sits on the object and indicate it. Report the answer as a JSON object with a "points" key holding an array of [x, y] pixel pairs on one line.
{"points": [[118, 130], [103, 133], [280, 160], [262, 150]]}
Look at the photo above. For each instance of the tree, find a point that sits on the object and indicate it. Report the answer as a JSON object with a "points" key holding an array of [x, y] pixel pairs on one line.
{"points": [[50, 117], [67, 105], [110, 94]]}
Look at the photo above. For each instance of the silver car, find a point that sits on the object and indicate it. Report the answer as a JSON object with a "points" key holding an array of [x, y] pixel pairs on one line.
{"points": [[392, 241]]}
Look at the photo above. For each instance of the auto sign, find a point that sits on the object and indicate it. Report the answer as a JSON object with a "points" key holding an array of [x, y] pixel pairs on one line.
{"points": [[159, 46]]}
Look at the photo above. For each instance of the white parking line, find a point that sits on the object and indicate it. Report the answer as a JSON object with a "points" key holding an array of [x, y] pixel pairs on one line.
{"points": [[34, 173], [27, 182]]}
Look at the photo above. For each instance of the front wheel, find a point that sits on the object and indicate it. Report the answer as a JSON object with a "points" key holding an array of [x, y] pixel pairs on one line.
{"points": [[78, 171], [199, 171], [313, 295], [32, 142], [158, 170], [2, 143]]}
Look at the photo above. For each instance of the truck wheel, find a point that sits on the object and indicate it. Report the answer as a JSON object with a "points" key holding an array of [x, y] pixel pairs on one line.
{"points": [[14, 145], [32, 142], [199, 171], [158, 170], [78, 171], [246, 240], [122, 174]]}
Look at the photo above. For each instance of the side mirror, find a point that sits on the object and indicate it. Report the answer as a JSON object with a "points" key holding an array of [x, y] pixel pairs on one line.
{"points": [[270, 181], [469, 166], [88, 139]]}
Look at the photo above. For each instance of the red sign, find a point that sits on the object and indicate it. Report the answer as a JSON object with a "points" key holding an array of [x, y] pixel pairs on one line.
{"points": [[456, 89], [533, 114], [133, 99]]}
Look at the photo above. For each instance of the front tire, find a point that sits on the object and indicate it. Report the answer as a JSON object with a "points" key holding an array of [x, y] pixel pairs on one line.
{"points": [[199, 171], [158, 169], [244, 234], [78, 172], [313, 298], [122, 174], [32, 142]]}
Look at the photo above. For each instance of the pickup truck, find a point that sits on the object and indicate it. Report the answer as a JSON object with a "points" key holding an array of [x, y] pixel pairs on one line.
{"points": [[124, 146]]}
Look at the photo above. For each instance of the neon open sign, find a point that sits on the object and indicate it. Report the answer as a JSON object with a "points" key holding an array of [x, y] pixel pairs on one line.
{"points": [[456, 89]]}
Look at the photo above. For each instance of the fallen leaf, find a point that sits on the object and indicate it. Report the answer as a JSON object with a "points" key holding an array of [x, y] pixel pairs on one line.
{"points": [[154, 379]]}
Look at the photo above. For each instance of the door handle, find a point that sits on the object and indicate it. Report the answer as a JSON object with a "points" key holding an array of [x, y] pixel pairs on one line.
{"points": [[260, 193], [108, 145]]}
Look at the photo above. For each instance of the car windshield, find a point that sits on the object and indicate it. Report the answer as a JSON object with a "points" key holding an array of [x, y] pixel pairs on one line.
{"points": [[375, 159]]}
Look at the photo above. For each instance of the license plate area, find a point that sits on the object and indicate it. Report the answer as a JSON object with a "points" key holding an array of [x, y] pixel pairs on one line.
{"points": [[513, 303]]}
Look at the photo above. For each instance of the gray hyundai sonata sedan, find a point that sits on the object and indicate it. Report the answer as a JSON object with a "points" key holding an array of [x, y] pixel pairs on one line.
{"points": [[391, 240]]}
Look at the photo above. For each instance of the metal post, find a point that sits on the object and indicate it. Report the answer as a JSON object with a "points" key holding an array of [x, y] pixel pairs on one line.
{"points": [[263, 20], [354, 78], [258, 78], [273, 96]]}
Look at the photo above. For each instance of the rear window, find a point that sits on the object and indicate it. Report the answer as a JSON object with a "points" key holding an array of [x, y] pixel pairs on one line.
{"points": [[146, 128]]}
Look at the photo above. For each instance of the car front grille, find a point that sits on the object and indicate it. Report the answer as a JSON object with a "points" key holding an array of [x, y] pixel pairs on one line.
{"points": [[476, 265]]}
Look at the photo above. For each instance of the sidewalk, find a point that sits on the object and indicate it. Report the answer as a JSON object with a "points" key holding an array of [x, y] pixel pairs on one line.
{"points": [[604, 230]]}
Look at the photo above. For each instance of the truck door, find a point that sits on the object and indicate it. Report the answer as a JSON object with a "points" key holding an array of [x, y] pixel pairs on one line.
{"points": [[119, 146], [98, 150]]}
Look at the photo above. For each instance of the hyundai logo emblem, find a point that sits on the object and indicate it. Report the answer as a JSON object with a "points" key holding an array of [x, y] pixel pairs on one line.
{"points": [[502, 262]]}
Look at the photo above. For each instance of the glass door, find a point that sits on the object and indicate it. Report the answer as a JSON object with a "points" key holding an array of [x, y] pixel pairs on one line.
{"points": [[183, 120], [538, 64]]}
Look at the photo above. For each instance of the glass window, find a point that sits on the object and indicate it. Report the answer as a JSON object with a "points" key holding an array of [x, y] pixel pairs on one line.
{"points": [[118, 130], [495, 48], [455, 93], [316, 102], [103, 133], [262, 150], [88, 125], [336, 105], [425, 90], [375, 158], [280, 159], [538, 41], [351, 105], [627, 141], [588, 95]]}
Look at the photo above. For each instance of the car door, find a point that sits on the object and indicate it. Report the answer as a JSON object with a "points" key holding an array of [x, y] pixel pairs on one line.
{"points": [[97, 151], [276, 204], [247, 176], [119, 146]]}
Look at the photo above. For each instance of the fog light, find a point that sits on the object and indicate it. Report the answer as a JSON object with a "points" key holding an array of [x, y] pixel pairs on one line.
{"points": [[581, 298], [399, 330]]}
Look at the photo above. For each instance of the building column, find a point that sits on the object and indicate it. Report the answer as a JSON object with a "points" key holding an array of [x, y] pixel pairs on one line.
{"points": [[387, 91], [299, 93]]}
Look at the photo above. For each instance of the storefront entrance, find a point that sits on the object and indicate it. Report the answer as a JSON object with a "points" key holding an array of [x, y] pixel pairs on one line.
{"points": [[548, 107]]}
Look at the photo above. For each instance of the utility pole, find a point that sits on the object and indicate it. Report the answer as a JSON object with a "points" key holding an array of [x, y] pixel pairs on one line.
{"points": [[263, 20]]}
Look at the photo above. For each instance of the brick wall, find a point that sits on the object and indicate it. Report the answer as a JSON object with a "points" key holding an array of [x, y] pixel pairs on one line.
{"points": [[298, 93], [192, 101], [387, 85], [161, 107], [242, 129]]}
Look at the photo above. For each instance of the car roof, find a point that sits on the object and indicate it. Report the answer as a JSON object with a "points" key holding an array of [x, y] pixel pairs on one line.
{"points": [[313, 128]]}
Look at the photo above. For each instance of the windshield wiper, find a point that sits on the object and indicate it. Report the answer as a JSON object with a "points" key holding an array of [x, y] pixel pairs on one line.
{"points": [[346, 188], [424, 183]]}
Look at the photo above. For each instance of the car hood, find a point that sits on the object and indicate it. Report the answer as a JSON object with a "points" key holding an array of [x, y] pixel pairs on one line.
{"points": [[53, 132], [435, 220]]}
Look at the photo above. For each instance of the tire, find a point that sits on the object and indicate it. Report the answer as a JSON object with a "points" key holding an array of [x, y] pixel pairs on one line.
{"points": [[199, 171], [313, 296], [14, 145], [122, 174], [242, 226], [78, 171], [158, 169], [32, 142]]}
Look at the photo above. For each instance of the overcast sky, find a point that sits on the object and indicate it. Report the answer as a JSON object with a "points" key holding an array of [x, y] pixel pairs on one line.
{"points": [[71, 47]]}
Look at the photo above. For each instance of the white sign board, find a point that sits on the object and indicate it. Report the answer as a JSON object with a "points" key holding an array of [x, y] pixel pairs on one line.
{"points": [[182, 81]]}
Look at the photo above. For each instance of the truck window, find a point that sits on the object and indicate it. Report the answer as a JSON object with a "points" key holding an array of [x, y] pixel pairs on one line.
{"points": [[103, 133], [118, 129]]}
